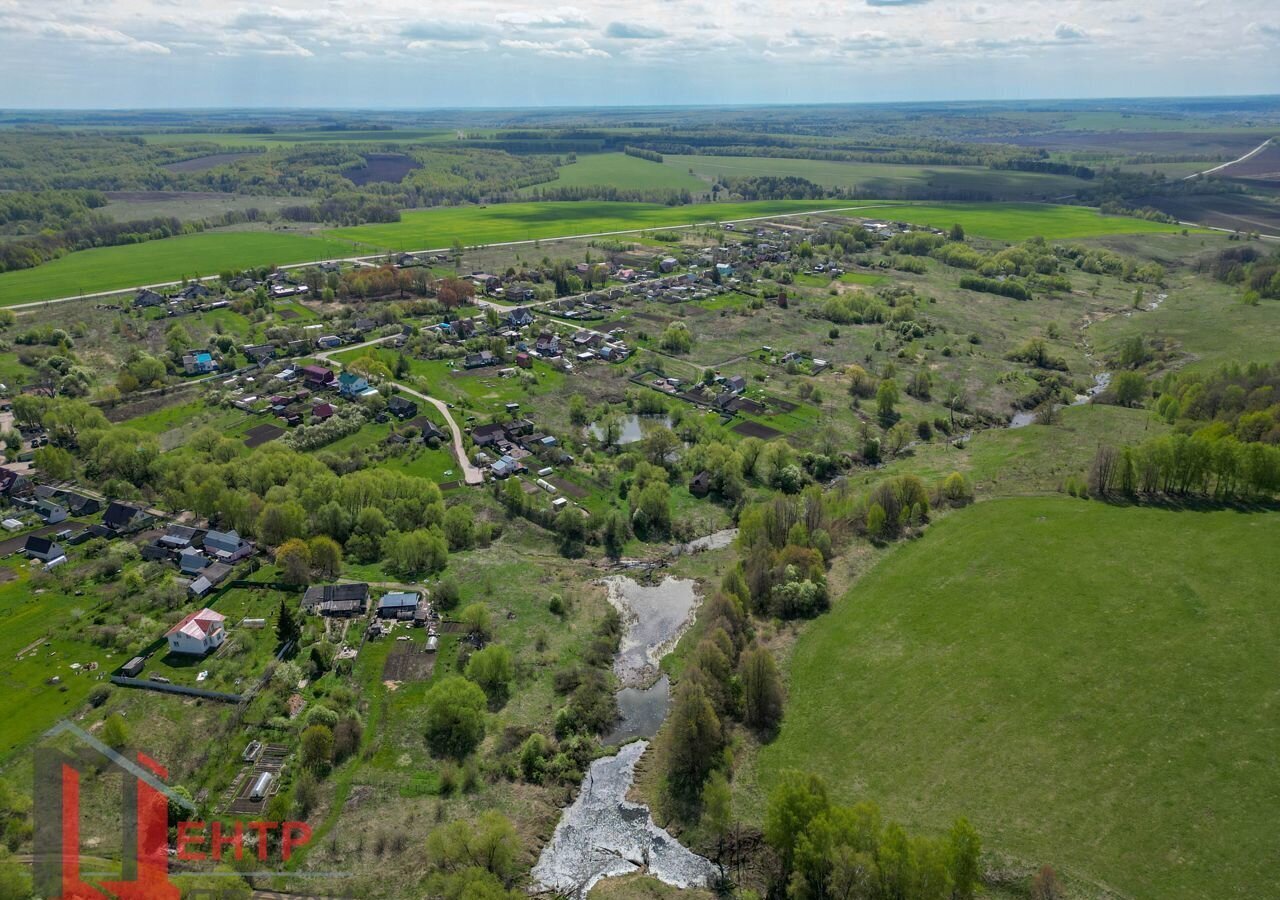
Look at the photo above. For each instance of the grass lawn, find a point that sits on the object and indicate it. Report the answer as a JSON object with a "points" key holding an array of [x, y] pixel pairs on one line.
{"points": [[436, 228], [1017, 221], [171, 259], [1093, 686], [626, 173], [28, 615], [246, 653]]}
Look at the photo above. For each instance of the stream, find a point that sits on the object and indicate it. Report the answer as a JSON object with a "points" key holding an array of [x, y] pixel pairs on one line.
{"points": [[603, 834], [1100, 383]]}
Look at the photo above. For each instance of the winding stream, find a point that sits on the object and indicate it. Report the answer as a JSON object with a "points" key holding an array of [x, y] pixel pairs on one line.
{"points": [[1100, 383], [603, 834]]}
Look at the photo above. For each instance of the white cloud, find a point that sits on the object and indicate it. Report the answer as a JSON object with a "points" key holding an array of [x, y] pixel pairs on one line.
{"points": [[560, 17], [570, 48], [1070, 33], [91, 35]]}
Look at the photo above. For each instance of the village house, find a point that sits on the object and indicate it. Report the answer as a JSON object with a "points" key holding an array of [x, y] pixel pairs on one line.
{"points": [[42, 548], [337, 600], [317, 376], [351, 385], [50, 511], [519, 318], [402, 408], [480, 360], [147, 298], [226, 546], [197, 634], [124, 517], [398, 605], [198, 362]]}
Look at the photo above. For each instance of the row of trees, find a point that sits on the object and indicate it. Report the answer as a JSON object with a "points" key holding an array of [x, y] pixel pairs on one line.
{"points": [[827, 851]]}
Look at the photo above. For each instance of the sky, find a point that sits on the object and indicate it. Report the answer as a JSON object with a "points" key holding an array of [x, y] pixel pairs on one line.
{"points": [[492, 53]]}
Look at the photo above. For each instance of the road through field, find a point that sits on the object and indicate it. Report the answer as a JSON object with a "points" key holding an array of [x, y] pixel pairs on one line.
{"points": [[36, 304], [470, 474], [1252, 153]]}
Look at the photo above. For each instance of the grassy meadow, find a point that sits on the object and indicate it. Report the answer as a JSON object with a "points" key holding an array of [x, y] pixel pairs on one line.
{"points": [[172, 259], [1093, 686]]}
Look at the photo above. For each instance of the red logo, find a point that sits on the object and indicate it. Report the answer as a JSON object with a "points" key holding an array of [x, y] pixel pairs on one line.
{"points": [[146, 803]]}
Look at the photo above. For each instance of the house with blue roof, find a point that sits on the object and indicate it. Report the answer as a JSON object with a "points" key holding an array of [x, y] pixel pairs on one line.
{"points": [[199, 362], [352, 385], [398, 605]]}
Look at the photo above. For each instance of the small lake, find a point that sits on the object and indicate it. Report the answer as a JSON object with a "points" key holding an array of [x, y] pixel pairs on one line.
{"points": [[641, 712], [632, 428], [655, 615], [603, 834]]}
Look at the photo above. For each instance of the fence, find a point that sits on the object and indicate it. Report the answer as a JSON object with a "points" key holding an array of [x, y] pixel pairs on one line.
{"points": [[175, 689]]}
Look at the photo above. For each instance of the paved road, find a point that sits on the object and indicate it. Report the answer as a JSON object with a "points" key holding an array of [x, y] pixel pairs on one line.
{"points": [[1254, 152], [470, 474]]}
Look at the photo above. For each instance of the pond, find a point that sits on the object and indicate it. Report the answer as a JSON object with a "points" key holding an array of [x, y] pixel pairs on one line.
{"points": [[603, 834], [632, 427], [640, 711], [655, 616]]}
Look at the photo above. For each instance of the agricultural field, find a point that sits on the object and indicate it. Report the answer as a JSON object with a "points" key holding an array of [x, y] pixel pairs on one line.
{"points": [[1016, 221], [618, 170], [186, 206], [1105, 722], [172, 259], [438, 228], [884, 180]]}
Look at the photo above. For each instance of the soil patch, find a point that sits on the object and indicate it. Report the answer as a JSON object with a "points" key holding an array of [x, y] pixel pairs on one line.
{"points": [[382, 167], [576, 491], [408, 661], [287, 313], [260, 434], [203, 163], [756, 430]]}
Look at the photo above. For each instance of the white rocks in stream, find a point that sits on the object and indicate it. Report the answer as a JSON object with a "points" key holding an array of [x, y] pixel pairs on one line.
{"points": [[603, 834]]}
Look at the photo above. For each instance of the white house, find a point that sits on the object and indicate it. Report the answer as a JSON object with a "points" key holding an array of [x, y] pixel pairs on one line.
{"points": [[198, 633]]}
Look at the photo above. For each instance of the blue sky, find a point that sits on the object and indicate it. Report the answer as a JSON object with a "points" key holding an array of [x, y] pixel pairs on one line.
{"points": [[411, 53]]}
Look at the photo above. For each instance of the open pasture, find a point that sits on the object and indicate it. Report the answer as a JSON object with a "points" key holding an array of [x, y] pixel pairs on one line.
{"points": [[1015, 666]]}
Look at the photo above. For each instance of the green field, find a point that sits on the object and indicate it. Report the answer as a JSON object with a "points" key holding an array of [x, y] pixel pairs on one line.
{"points": [[626, 173], [436, 228], [44, 622], [1093, 686], [1017, 221], [883, 179], [115, 268]]}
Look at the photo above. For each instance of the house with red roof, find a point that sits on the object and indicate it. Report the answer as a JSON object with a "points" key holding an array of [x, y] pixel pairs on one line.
{"points": [[197, 634]]}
